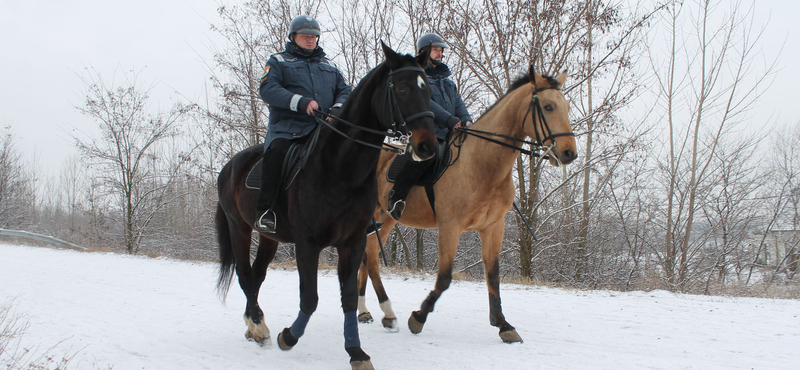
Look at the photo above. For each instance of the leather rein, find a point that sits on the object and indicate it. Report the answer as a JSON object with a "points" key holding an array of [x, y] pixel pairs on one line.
{"points": [[398, 131]]}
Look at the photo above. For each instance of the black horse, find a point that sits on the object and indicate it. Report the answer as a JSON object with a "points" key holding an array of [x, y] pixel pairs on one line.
{"points": [[331, 200]]}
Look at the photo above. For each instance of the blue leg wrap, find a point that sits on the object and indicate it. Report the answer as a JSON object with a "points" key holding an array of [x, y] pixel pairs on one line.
{"points": [[299, 326], [351, 329]]}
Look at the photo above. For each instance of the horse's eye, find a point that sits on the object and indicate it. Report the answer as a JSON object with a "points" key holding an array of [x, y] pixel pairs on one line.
{"points": [[549, 107], [402, 89]]}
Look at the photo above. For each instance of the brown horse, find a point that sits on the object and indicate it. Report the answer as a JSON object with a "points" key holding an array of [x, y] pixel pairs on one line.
{"points": [[475, 193], [330, 202]]}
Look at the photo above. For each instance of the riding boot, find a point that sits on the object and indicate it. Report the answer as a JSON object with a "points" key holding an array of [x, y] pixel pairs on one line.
{"points": [[271, 165], [407, 177]]}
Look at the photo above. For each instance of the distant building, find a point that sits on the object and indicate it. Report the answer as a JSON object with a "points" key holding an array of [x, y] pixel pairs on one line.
{"points": [[777, 245]]}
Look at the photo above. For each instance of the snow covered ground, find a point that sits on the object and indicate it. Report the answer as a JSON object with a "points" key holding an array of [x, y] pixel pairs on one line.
{"points": [[140, 313]]}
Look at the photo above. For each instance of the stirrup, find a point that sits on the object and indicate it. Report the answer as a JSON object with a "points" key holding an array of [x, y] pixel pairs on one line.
{"points": [[267, 222], [371, 229]]}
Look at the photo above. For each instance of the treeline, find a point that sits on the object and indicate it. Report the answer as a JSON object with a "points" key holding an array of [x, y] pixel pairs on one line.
{"points": [[674, 187]]}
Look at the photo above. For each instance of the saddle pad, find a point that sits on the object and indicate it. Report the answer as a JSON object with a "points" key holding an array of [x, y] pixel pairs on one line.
{"points": [[253, 180]]}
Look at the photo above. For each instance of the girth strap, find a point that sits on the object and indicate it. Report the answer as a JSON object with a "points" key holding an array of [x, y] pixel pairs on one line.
{"points": [[431, 197]]}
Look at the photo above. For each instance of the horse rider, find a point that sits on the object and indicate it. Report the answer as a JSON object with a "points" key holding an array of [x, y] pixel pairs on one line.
{"points": [[449, 113], [295, 83]]}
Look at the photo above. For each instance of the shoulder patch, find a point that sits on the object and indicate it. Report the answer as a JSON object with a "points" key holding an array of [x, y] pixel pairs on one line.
{"points": [[264, 76]]}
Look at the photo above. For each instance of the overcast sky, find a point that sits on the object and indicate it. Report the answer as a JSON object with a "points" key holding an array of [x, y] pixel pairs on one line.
{"points": [[46, 44]]}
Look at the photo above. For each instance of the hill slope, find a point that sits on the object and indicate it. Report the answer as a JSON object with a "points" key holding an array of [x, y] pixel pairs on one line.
{"points": [[140, 313]]}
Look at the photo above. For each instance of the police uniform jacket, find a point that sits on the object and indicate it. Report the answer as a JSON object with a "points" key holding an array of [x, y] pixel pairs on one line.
{"points": [[447, 106], [290, 81]]}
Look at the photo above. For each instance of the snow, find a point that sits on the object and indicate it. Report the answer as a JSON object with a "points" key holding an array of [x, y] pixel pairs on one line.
{"points": [[134, 312]]}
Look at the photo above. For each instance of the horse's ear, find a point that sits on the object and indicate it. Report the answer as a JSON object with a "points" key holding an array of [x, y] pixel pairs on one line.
{"points": [[562, 78], [392, 58], [424, 57], [537, 80]]}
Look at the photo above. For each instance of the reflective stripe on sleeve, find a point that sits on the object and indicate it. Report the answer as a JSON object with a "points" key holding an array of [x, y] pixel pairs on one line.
{"points": [[295, 100]]}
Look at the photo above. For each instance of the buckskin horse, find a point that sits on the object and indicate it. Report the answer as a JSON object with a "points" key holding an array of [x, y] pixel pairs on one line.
{"points": [[476, 192], [330, 201]]}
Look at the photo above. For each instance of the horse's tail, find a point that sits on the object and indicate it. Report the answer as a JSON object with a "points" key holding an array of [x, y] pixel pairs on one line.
{"points": [[227, 263]]}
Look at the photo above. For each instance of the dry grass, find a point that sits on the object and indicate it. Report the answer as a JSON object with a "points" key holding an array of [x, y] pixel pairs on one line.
{"points": [[14, 354], [648, 282]]}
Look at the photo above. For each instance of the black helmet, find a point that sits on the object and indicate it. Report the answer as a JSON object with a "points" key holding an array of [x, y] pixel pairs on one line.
{"points": [[430, 39], [304, 24]]}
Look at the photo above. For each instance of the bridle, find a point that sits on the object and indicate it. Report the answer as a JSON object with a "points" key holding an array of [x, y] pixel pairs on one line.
{"points": [[534, 108], [394, 106], [398, 131]]}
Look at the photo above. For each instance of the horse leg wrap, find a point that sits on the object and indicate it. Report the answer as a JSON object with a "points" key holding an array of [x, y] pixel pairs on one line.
{"points": [[299, 325], [351, 330], [496, 317]]}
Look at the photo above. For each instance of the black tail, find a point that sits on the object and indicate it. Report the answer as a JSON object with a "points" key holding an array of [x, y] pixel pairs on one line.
{"points": [[227, 263]]}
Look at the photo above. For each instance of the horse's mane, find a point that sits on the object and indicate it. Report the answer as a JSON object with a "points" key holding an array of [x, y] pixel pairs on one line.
{"points": [[367, 85], [523, 80]]}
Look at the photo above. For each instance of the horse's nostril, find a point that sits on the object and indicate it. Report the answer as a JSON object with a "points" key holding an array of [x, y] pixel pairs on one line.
{"points": [[427, 149], [570, 155]]}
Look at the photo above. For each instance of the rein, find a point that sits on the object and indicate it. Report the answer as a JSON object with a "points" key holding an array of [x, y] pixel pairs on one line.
{"points": [[383, 146], [535, 107], [396, 131]]}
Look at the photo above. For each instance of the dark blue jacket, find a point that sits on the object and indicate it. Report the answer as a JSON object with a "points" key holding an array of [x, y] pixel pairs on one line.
{"points": [[290, 81], [446, 104]]}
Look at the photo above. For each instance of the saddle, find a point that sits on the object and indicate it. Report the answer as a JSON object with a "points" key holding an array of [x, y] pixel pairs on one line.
{"points": [[434, 171], [431, 175], [294, 161]]}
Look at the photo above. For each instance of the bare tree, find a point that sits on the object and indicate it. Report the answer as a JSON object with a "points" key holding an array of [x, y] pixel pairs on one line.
{"points": [[358, 28], [129, 132], [705, 92], [730, 212], [16, 184]]}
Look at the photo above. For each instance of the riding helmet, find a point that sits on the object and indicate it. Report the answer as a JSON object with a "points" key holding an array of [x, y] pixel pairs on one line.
{"points": [[430, 39], [304, 24]]}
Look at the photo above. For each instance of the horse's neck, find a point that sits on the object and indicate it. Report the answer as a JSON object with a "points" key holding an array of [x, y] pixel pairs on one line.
{"points": [[346, 157], [493, 162]]}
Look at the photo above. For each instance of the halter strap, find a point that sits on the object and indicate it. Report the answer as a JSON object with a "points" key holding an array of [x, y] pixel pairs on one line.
{"points": [[534, 106], [394, 106], [406, 69]]}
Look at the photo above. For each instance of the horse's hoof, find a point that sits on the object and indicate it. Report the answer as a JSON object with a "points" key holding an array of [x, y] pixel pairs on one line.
{"points": [[510, 336], [286, 340], [362, 365], [390, 324], [414, 325], [365, 318], [262, 340]]}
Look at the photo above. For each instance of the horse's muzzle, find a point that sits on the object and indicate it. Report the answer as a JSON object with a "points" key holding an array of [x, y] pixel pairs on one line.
{"points": [[424, 150]]}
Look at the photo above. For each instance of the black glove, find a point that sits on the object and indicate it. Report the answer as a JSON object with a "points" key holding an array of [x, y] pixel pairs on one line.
{"points": [[452, 121], [334, 111], [303, 104]]}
